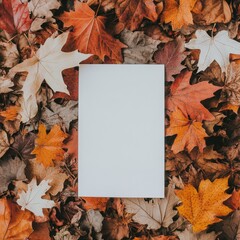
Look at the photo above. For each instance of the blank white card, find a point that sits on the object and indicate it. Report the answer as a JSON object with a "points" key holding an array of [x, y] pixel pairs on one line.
{"points": [[121, 131]]}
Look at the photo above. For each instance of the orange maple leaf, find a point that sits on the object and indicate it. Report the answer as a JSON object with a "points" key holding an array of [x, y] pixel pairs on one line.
{"points": [[203, 207], [95, 203], [90, 35], [178, 12], [14, 223], [132, 12], [49, 146], [190, 133], [11, 113], [187, 97]]}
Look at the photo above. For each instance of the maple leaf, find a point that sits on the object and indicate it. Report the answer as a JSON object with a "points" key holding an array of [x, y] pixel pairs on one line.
{"points": [[49, 146], [14, 16], [132, 12], [47, 64], [172, 54], [54, 174], [90, 35], [207, 12], [10, 114], [203, 207], [32, 198], [212, 48], [190, 133], [155, 213], [140, 47], [178, 13], [187, 97], [14, 223]]}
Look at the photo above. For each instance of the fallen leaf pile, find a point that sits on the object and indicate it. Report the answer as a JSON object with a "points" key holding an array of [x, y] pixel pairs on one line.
{"points": [[42, 43]]}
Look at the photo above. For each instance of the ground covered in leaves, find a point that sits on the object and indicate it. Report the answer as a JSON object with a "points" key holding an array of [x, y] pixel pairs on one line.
{"points": [[41, 44]]}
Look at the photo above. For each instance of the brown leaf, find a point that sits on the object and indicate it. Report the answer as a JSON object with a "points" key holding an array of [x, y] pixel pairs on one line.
{"points": [[132, 12], [4, 143], [95, 203], [14, 223], [234, 201], [172, 55], [71, 143], [207, 12], [41, 232]]}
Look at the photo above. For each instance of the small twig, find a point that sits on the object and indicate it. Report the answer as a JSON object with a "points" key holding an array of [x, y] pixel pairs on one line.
{"points": [[99, 5]]}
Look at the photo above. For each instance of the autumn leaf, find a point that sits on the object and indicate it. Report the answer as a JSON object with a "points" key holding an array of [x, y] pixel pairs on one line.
{"points": [[132, 12], [14, 16], [5, 85], [10, 114], [207, 12], [203, 207], [71, 143], [4, 142], [14, 223], [49, 146], [212, 48], [178, 13], [95, 203], [187, 97], [155, 213], [172, 55], [90, 35], [234, 201], [190, 133], [32, 199], [9, 55]]}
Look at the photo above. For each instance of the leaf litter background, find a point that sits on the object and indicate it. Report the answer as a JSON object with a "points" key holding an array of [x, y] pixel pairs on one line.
{"points": [[41, 44]]}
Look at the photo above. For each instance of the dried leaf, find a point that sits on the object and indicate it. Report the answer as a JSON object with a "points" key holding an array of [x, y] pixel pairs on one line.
{"points": [[95, 203], [5, 85], [190, 133], [140, 47], [48, 147], [9, 54], [14, 223], [11, 169], [132, 12], [90, 35], [155, 213], [4, 143], [32, 198], [178, 13], [200, 206], [172, 55], [182, 92]]}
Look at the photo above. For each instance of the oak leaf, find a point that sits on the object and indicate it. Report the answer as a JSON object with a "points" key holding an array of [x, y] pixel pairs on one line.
{"points": [[155, 213], [32, 199], [14, 223], [190, 133], [95, 203], [14, 16], [187, 97], [203, 207], [48, 147], [54, 174], [178, 13], [89, 34], [172, 55], [132, 12], [216, 48]]}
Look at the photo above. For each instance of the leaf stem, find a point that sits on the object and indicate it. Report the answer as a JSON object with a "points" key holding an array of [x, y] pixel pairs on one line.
{"points": [[99, 5]]}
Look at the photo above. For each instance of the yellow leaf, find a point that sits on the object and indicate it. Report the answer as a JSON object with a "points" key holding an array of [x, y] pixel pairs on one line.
{"points": [[49, 146], [203, 207], [10, 113]]}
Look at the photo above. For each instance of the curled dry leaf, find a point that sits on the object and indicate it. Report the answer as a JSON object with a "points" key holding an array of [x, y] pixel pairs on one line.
{"points": [[131, 12], [107, 5], [32, 199], [90, 35], [178, 13], [140, 47], [156, 213], [14, 16], [14, 223], [200, 207], [172, 55], [9, 54], [55, 175], [11, 169], [181, 91], [48, 146], [190, 133]]}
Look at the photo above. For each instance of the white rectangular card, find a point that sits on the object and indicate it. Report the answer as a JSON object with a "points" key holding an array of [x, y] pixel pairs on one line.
{"points": [[121, 131]]}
